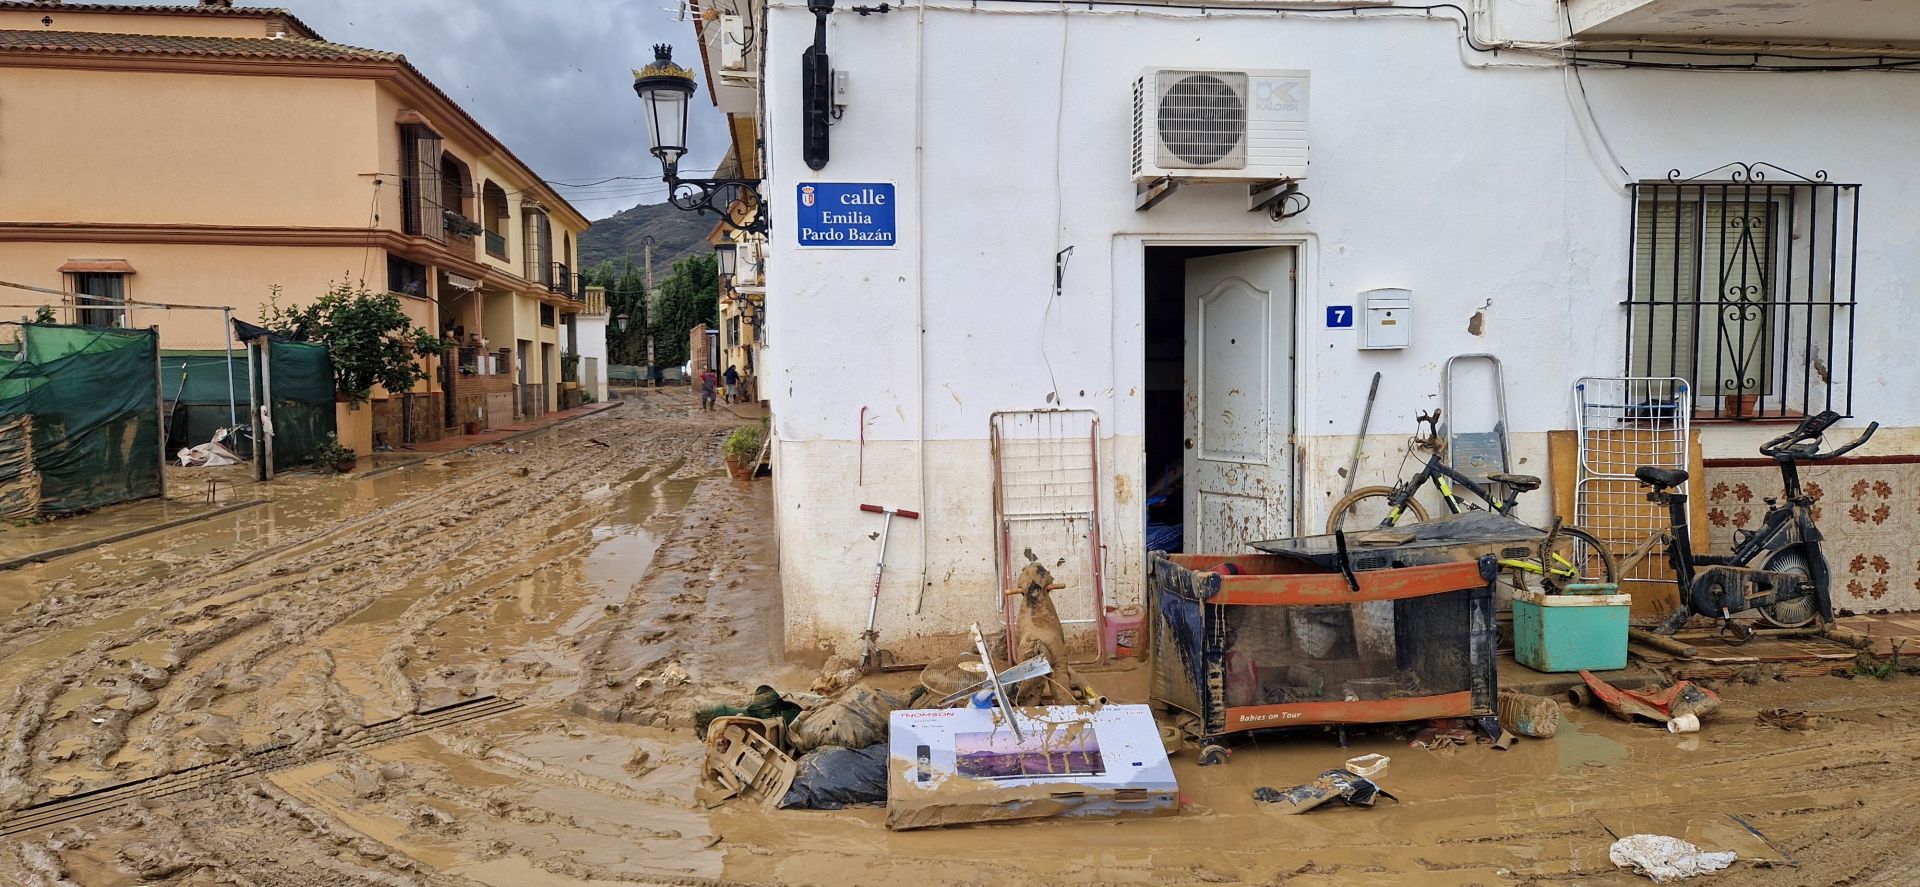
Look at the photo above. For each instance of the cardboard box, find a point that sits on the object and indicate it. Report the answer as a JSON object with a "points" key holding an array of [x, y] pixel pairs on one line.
{"points": [[958, 765]]}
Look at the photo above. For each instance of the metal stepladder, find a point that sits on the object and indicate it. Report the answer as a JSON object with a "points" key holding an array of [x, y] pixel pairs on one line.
{"points": [[1475, 454]]}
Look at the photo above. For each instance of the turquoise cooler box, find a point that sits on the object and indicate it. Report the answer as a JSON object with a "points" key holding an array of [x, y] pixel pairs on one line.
{"points": [[1570, 632]]}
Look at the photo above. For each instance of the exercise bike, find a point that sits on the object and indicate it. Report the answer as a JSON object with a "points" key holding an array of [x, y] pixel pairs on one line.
{"points": [[1792, 586]]}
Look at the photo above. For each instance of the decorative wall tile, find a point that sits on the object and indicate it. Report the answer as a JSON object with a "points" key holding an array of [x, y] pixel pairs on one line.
{"points": [[1869, 513]]}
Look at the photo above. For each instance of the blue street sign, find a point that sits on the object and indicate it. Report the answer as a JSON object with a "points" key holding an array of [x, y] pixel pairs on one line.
{"points": [[845, 214], [1339, 317]]}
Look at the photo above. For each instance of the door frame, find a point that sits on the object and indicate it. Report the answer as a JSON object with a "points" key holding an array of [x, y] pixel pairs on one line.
{"points": [[1130, 268]]}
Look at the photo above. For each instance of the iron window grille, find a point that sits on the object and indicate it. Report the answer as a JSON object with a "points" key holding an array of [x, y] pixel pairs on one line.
{"points": [[1743, 283], [420, 185]]}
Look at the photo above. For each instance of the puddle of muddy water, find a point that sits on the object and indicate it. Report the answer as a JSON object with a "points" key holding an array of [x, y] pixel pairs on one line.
{"points": [[299, 503], [529, 609]]}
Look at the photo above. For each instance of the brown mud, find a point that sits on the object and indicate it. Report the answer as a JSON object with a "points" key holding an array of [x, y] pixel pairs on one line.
{"points": [[607, 576]]}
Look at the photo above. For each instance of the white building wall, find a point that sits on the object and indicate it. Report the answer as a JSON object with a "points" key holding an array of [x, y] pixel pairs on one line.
{"points": [[1472, 179], [592, 329]]}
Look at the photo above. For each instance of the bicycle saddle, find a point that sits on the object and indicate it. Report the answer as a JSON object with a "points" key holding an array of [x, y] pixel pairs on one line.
{"points": [[1655, 476], [1521, 483]]}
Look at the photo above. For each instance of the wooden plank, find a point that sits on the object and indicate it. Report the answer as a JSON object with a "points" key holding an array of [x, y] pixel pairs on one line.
{"points": [[1563, 470]]}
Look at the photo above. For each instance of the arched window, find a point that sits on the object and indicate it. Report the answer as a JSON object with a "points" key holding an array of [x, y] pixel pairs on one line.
{"points": [[495, 216], [454, 189]]}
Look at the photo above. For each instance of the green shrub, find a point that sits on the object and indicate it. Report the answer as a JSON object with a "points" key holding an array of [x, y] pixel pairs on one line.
{"points": [[743, 443], [332, 455]]}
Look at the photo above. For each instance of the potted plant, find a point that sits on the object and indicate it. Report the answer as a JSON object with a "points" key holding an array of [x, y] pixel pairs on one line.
{"points": [[332, 455], [742, 446]]}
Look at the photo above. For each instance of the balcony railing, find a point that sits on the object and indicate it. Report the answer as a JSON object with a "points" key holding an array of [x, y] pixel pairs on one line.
{"points": [[561, 281], [459, 232], [480, 362], [497, 245]]}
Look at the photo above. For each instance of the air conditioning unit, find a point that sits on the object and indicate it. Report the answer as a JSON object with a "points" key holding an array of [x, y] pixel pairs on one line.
{"points": [[750, 261], [733, 43], [1200, 125]]}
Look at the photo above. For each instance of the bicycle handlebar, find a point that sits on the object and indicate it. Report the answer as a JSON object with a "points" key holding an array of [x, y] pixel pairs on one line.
{"points": [[1863, 438], [1801, 444]]}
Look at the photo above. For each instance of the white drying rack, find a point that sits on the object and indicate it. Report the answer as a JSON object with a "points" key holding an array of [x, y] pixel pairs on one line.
{"points": [[1625, 423]]}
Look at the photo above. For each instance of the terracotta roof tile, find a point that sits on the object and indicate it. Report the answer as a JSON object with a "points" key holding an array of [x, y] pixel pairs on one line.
{"points": [[90, 43], [188, 9]]}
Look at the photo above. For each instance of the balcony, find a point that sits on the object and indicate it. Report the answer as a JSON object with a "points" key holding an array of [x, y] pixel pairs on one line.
{"points": [[1727, 21], [479, 362], [497, 245], [563, 281], [459, 233]]}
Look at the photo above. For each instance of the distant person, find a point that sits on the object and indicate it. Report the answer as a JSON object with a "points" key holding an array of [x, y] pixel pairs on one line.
{"points": [[708, 382], [733, 384]]}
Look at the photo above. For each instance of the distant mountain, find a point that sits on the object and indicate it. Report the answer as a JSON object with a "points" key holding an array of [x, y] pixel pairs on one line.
{"points": [[676, 234]]}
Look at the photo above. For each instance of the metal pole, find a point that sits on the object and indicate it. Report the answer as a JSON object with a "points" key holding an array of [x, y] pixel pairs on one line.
{"points": [[266, 404], [159, 409], [233, 405], [253, 414]]}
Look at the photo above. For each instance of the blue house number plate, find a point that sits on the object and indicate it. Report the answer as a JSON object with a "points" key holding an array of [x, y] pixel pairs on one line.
{"points": [[1339, 317]]}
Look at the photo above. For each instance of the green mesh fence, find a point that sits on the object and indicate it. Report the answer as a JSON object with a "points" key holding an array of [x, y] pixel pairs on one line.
{"points": [[79, 418], [194, 385], [302, 378]]}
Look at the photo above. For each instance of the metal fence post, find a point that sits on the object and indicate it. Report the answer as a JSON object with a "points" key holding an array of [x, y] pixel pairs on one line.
{"points": [[233, 406], [159, 408], [266, 403], [253, 410]]}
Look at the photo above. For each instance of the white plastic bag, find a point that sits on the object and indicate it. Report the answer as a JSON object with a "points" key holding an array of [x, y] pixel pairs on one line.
{"points": [[1666, 859]]}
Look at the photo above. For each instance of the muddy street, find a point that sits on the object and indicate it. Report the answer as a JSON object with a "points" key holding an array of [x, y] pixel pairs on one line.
{"points": [[466, 671]]}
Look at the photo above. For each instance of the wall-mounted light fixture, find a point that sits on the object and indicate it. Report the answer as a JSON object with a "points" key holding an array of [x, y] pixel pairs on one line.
{"points": [[816, 88], [666, 89], [728, 258]]}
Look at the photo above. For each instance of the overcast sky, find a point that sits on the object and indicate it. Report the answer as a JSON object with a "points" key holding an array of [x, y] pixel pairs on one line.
{"points": [[550, 78]]}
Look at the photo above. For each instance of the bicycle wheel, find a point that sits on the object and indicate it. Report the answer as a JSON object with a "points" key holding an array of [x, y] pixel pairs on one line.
{"points": [[1368, 507], [1579, 557]]}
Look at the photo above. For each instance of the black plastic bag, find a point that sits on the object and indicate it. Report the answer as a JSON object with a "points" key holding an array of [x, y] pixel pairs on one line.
{"points": [[834, 778]]}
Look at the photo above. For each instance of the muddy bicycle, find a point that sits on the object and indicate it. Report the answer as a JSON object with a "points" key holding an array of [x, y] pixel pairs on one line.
{"points": [[1569, 559]]}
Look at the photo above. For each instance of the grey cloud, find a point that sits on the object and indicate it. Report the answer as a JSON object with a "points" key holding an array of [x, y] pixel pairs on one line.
{"points": [[549, 78]]}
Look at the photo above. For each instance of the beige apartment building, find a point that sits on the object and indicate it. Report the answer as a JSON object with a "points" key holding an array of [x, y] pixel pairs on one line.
{"points": [[211, 155]]}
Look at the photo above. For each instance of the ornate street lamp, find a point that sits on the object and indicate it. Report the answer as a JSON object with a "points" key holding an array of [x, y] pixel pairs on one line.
{"points": [[666, 89], [620, 320], [728, 256]]}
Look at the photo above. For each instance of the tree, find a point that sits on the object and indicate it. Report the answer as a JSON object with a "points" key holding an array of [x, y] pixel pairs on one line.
{"points": [[368, 335], [688, 298], [626, 289]]}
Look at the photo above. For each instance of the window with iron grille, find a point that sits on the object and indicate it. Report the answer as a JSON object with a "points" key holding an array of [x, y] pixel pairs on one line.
{"points": [[1743, 286], [546, 315], [406, 277], [420, 188], [539, 245]]}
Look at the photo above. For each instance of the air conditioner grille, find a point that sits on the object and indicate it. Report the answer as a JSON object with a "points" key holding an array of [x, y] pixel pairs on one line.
{"points": [[1139, 125], [1202, 118]]}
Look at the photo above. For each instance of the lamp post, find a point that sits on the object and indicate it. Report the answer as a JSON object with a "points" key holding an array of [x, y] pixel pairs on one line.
{"points": [[666, 89]]}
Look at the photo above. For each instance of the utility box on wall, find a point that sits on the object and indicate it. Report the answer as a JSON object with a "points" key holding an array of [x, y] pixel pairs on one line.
{"points": [[1386, 319]]}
